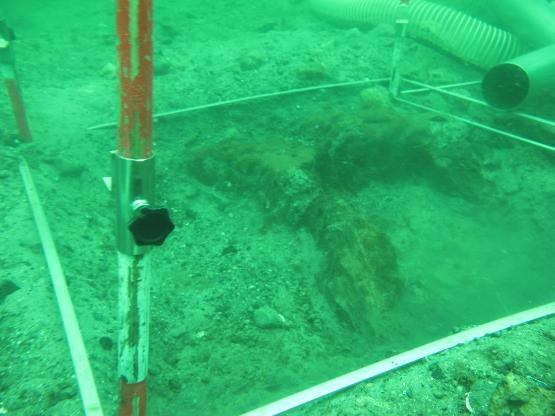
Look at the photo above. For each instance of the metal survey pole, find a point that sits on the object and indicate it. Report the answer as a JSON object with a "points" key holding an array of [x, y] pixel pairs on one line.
{"points": [[139, 223], [401, 23], [9, 74]]}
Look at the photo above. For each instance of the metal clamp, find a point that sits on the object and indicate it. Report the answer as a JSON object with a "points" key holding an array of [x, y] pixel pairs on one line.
{"points": [[139, 222]]}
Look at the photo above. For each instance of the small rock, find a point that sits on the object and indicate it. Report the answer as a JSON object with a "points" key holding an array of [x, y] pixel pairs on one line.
{"points": [[199, 335], [504, 364], [268, 318], [69, 169], [549, 334], [231, 133], [313, 71], [266, 27], [439, 394], [229, 249], [250, 61], [190, 214], [480, 396], [161, 66], [515, 393], [106, 343], [375, 98], [109, 71], [168, 33], [7, 287], [436, 371]]}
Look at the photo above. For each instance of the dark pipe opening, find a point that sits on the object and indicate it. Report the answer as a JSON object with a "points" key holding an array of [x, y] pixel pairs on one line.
{"points": [[506, 86]]}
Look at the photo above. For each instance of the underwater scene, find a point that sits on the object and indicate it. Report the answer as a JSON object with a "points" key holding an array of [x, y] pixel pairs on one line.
{"points": [[339, 182]]}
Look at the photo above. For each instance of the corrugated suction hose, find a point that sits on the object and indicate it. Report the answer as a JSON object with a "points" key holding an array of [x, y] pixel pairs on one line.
{"points": [[457, 33]]}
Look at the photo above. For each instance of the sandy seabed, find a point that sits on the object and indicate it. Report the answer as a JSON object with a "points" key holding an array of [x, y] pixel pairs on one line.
{"points": [[462, 261]]}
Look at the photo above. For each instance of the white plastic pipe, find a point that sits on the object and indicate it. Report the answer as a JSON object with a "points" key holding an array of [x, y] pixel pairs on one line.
{"points": [[457, 33], [531, 20]]}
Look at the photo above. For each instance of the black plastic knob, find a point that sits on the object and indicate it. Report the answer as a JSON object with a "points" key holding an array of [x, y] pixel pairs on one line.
{"points": [[151, 226]]}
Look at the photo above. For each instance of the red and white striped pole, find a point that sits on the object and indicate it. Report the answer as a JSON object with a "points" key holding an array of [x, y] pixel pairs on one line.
{"points": [[9, 74], [133, 185], [139, 223], [18, 108]]}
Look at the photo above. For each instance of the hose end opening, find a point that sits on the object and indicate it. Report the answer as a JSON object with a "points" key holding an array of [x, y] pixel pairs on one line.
{"points": [[506, 86]]}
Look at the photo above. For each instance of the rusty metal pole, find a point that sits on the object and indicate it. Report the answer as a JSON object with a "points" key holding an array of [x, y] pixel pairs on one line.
{"points": [[134, 27], [139, 224], [9, 74]]}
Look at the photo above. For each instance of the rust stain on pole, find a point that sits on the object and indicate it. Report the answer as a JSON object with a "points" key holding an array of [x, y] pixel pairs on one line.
{"points": [[134, 28]]}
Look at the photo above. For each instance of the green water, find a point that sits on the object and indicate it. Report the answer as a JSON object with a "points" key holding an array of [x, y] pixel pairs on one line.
{"points": [[316, 232]]}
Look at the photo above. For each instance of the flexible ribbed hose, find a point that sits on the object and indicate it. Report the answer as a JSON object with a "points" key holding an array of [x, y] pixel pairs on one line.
{"points": [[457, 33]]}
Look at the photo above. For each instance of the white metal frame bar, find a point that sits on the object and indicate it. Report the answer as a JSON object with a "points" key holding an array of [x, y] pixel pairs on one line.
{"points": [[480, 125], [85, 379], [400, 360], [442, 90], [250, 98], [423, 87], [442, 87]]}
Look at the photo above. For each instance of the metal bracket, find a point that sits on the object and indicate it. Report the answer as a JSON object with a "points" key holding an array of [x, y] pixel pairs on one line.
{"points": [[132, 180]]}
